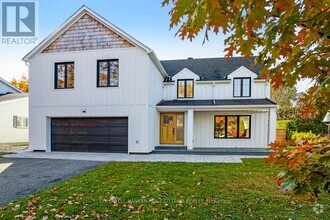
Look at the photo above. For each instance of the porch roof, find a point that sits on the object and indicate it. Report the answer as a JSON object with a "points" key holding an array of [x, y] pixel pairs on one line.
{"points": [[217, 102]]}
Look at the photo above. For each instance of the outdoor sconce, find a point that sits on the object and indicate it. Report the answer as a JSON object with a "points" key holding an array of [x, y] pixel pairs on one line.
{"points": [[327, 121]]}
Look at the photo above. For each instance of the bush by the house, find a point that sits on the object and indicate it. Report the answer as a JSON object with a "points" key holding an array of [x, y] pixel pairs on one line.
{"points": [[304, 136]]}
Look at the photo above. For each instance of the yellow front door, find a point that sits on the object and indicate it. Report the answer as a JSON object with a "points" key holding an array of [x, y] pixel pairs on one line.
{"points": [[171, 128]]}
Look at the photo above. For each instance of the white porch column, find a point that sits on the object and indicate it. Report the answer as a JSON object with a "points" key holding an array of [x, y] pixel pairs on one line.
{"points": [[190, 129]]}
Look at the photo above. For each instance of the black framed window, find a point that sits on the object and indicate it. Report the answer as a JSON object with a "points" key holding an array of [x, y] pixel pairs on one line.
{"points": [[185, 88], [232, 126], [64, 75], [108, 73], [242, 87]]}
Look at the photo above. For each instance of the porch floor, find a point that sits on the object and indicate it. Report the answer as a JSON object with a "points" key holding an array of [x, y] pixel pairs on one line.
{"points": [[211, 151]]}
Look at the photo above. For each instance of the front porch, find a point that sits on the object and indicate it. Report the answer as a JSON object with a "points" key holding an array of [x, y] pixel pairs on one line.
{"points": [[217, 129]]}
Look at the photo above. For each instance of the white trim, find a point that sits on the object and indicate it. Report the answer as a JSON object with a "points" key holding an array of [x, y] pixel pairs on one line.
{"points": [[12, 100], [212, 108], [213, 81], [245, 70], [188, 71], [10, 85]]}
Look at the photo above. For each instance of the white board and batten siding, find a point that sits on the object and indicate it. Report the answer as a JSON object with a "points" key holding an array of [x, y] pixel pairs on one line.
{"points": [[127, 100], [204, 131], [222, 89], [155, 94]]}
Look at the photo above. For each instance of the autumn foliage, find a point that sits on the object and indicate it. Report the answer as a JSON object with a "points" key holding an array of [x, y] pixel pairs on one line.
{"points": [[21, 83], [292, 38], [305, 168]]}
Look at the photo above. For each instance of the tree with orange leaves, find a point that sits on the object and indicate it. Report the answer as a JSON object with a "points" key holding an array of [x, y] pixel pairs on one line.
{"points": [[21, 83], [293, 37]]}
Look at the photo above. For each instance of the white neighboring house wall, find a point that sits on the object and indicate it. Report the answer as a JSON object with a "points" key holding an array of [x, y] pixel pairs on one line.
{"points": [[8, 109]]}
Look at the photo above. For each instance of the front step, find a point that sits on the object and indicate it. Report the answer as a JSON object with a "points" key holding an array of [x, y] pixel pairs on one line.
{"points": [[212, 151]]}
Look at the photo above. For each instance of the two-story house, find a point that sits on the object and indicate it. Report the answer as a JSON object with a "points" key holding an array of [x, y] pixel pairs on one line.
{"points": [[95, 88]]}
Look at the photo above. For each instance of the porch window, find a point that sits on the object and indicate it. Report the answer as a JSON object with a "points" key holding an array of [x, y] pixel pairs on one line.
{"points": [[185, 88], [242, 87], [107, 73], [64, 75], [232, 126]]}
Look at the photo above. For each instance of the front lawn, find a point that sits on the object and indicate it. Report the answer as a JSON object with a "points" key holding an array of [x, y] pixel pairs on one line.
{"points": [[167, 191]]}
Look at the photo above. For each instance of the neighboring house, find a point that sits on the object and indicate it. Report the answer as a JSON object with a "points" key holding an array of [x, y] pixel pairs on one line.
{"points": [[14, 121], [95, 88], [7, 88]]}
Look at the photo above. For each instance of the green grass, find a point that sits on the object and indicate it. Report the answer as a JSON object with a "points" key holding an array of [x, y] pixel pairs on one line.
{"points": [[167, 191], [3, 153]]}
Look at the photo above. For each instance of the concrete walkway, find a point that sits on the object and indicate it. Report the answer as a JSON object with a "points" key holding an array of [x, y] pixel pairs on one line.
{"points": [[133, 158]]}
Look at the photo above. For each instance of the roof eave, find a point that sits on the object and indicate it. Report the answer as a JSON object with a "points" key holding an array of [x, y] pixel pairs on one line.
{"points": [[71, 20], [212, 107], [156, 61], [10, 85]]}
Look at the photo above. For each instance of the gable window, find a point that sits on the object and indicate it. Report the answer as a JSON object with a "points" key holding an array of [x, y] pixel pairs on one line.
{"points": [[107, 73], [242, 87], [64, 75], [185, 88], [232, 126], [20, 122]]}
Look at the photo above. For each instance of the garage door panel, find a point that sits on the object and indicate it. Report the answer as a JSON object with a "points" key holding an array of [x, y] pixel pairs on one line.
{"points": [[89, 134], [114, 131]]}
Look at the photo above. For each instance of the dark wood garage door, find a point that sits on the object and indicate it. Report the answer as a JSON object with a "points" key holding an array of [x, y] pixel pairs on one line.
{"points": [[89, 134]]}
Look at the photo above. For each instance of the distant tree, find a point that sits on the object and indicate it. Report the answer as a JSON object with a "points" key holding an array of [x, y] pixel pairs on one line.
{"points": [[21, 83], [286, 98]]}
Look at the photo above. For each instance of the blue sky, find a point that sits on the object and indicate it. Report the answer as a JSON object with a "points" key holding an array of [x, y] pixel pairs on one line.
{"points": [[145, 20]]}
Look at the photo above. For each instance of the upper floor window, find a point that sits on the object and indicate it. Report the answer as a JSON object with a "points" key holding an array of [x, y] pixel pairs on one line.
{"points": [[107, 73], [64, 75], [242, 87], [232, 126], [185, 88]]}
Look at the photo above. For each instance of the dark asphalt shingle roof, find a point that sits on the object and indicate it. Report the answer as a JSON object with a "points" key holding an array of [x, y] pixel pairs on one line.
{"points": [[210, 68], [217, 102], [13, 96]]}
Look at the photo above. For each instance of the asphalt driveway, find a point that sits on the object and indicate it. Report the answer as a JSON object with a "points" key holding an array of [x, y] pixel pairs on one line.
{"points": [[21, 177]]}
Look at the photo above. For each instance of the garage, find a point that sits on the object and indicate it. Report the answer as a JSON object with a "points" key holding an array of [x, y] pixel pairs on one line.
{"points": [[89, 134]]}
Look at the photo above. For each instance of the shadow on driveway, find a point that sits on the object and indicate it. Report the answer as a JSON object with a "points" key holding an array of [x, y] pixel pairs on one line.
{"points": [[21, 177]]}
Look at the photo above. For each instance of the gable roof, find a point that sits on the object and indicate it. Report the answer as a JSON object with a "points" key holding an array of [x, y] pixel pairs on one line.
{"points": [[9, 97], [10, 85], [210, 68], [74, 18]]}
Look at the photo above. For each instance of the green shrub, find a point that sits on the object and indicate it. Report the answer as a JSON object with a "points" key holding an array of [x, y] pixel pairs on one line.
{"points": [[313, 124], [291, 127], [282, 124], [304, 136]]}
